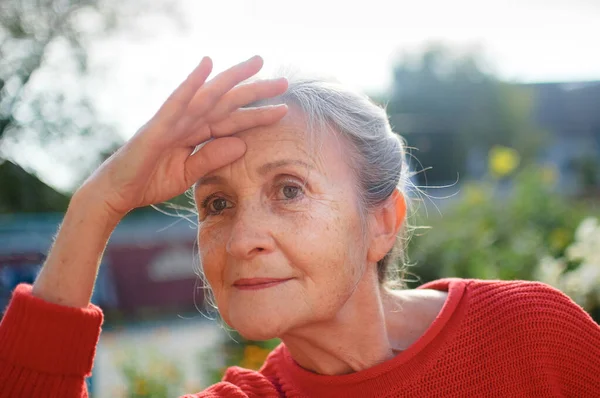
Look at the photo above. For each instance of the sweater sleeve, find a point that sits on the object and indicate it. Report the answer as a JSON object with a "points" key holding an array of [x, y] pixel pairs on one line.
{"points": [[568, 341], [46, 349]]}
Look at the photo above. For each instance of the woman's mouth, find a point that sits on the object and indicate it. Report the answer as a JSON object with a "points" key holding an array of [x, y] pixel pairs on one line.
{"points": [[258, 283]]}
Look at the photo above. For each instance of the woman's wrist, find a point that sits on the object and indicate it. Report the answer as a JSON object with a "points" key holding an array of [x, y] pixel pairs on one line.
{"points": [[69, 273], [88, 200]]}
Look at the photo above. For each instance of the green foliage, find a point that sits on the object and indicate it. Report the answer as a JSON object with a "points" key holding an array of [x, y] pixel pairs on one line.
{"points": [[498, 229], [149, 375], [588, 171], [24, 193], [30, 36]]}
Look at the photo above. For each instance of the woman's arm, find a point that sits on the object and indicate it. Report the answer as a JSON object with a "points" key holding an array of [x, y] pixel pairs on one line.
{"points": [[69, 273], [49, 332]]}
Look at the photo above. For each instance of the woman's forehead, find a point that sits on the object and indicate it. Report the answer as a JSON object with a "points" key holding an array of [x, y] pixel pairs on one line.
{"points": [[289, 137], [290, 142]]}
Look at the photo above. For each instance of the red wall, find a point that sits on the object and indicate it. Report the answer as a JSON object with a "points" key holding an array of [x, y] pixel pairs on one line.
{"points": [[130, 270]]}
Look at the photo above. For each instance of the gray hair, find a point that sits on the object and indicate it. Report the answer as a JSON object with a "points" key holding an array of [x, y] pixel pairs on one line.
{"points": [[377, 154]]}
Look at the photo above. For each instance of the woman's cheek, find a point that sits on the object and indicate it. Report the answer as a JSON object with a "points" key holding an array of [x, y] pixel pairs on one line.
{"points": [[211, 247], [212, 232]]}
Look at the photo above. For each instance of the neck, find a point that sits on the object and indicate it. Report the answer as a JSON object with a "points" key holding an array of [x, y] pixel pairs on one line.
{"points": [[355, 339]]}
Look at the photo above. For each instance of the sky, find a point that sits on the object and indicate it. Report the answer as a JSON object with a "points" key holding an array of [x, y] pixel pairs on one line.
{"points": [[355, 42]]}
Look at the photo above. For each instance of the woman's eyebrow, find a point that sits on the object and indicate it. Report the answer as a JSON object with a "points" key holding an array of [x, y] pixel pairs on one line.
{"points": [[210, 180], [268, 167], [262, 170]]}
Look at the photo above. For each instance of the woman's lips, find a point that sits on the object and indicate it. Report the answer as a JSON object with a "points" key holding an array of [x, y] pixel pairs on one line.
{"points": [[258, 283]]}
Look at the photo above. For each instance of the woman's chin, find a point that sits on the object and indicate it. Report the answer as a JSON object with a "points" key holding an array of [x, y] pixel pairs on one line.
{"points": [[260, 319], [256, 327], [256, 335]]}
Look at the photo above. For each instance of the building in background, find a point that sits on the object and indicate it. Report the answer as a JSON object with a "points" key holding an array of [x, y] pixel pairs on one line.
{"points": [[570, 112], [148, 265]]}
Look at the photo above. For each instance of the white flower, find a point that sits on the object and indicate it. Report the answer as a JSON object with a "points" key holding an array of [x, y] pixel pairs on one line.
{"points": [[586, 228], [582, 283], [586, 247], [550, 271], [571, 285]]}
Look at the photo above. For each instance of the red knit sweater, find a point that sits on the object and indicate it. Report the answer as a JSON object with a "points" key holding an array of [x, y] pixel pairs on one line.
{"points": [[491, 338]]}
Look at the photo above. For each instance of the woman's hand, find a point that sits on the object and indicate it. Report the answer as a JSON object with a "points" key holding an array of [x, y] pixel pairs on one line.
{"points": [[159, 162]]}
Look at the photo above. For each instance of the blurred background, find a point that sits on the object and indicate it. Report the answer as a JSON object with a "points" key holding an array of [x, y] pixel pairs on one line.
{"points": [[499, 102]]}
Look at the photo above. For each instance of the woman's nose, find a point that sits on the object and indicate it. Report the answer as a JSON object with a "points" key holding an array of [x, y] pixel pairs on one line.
{"points": [[249, 235]]}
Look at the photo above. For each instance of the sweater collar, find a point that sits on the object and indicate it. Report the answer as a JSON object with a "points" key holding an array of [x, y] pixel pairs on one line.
{"points": [[380, 379]]}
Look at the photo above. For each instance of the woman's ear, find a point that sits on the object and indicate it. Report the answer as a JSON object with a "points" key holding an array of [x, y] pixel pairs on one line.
{"points": [[385, 223]]}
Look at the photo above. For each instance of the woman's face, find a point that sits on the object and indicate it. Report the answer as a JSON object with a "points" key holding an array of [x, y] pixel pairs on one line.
{"points": [[280, 237]]}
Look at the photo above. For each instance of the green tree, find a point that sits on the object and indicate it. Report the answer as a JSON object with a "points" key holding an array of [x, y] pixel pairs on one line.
{"points": [[39, 39], [450, 108]]}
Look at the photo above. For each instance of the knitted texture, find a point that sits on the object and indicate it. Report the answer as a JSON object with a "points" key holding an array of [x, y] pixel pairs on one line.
{"points": [[491, 338], [46, 350]]}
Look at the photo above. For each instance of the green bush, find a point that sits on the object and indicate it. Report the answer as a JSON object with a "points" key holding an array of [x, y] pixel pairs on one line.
{"points": [[150, 375], [498, 229]]}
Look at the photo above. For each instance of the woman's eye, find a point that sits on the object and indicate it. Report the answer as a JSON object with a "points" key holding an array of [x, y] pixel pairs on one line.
{"points": [[217, 205], [290, 191]]}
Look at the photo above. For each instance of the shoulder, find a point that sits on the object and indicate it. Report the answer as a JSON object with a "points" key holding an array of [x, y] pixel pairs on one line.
{"points": [[537, 319], [529, 326], [525, 313], [535, 299], [512, 297]]}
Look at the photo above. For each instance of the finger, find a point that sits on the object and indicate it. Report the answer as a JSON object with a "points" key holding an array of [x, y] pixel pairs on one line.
{"points": [[212, 91], [209, 95], [247, 118], [246, 94], [178, 101], [212, 156], [240, 120]]}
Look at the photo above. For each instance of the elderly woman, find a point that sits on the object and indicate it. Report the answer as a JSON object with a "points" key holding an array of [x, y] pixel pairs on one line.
{"points": [[301, 207]]}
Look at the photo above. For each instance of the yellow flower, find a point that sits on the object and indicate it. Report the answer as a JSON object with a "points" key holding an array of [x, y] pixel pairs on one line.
{"points": [[254, 356], [140, 387], [503, 161]]}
